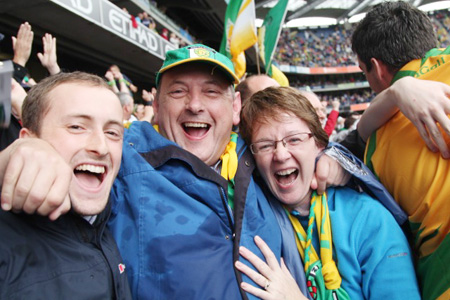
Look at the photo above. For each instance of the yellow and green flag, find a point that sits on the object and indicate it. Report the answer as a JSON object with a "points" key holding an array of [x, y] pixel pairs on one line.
{"points": [[268, 36], [239, 33]]}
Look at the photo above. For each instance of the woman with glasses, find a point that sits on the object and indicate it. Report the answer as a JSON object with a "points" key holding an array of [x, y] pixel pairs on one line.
{"points": [[351, 246]]}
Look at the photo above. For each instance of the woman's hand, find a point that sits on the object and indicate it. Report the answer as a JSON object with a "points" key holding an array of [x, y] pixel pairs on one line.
{"points": [[276, 281]]}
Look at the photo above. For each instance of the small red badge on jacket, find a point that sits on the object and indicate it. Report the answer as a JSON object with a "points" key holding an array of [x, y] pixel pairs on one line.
{"points": [[121, 268]]}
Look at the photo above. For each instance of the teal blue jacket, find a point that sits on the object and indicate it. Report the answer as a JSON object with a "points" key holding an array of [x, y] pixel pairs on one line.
{"points": [[371, 252]]}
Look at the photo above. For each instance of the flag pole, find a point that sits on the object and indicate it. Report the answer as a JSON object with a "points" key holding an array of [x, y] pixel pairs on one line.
{"points": [[257, 58]]}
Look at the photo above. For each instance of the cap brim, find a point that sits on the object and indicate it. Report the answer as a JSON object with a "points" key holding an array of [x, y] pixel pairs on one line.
{"points": [[224, 68]]}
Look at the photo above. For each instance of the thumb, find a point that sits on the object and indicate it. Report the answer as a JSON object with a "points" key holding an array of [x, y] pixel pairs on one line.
{"points": [[14, 40], [63, 209], [40, 56], [314, 184]]}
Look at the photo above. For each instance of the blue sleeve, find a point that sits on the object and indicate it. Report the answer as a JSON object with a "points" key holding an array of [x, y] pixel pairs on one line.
{"points": [[384, 256], [365, 179]]}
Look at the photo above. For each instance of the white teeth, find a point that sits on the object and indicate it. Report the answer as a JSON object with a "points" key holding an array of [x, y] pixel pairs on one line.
{"points": [[91, 168], [286, 172], [195, 125]]}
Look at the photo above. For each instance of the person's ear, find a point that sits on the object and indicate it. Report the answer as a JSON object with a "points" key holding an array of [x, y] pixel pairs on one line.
{"points": [[26, 133], [237, 105], [155, 106], [382, 72]]}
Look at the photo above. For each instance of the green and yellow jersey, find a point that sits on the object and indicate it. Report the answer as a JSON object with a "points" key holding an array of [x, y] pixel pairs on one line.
{"points": [[417, 179]]}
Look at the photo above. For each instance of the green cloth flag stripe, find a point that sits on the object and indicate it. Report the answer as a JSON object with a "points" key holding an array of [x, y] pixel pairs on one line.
{"points": [[270, 32]]}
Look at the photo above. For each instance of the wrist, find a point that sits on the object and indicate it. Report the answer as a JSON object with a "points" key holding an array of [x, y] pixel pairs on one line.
{"points": [[112, 83], [54, 70], [148, 103]]}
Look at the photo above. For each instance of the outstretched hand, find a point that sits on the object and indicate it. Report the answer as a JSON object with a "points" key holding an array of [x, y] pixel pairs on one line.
{"points": [[427, 106], [48, 57], [275, 280], [22, 44]]}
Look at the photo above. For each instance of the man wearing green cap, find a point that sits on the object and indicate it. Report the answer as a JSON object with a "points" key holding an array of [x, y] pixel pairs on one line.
{"points": [[185, 197], [185, 200]]}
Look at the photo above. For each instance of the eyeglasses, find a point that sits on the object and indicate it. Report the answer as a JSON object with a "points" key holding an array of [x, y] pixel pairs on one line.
{"points": [[290, 142]]}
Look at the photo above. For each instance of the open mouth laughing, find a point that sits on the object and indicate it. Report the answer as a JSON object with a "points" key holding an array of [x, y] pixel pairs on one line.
{"points": [[286, 176], [90, 176], [196, 129]]}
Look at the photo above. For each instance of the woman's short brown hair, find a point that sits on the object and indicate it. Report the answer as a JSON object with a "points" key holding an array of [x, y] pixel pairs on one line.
{"points": [[270, 103]]}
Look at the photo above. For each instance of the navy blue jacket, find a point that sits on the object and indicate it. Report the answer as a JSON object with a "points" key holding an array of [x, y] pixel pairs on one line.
{"points": [[65, 259]]}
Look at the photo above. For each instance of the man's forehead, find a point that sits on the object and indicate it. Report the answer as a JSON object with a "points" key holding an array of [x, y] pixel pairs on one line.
{"points": [[207, 71]]}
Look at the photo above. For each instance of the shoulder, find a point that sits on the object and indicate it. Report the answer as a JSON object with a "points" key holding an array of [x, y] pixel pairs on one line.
{"points": [[348, 205]]}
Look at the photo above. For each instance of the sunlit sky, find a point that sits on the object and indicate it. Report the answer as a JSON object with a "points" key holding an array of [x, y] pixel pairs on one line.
{"points": [[319, 21]]}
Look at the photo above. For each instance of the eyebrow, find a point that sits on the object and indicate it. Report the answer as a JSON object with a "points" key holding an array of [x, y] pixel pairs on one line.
{"points": [[90, 118]]}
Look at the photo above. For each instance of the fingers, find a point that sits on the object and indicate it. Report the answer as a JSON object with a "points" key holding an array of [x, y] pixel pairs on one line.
{"points": [[61, 210], [22, 44], [260, 293], [434, 127], [252, 274], [321, 174], [268, 254], [9, 182], [35, 180], [259, 265]]}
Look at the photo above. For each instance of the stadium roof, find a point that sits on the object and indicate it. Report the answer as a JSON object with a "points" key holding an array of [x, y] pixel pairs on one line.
{"points": [[205, 18]]}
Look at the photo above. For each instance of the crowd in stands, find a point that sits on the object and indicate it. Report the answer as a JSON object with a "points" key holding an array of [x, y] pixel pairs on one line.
{"points": [[324, 81], [441, 23], [347, 98], [331, 47], [322, 47], [145, 19]]}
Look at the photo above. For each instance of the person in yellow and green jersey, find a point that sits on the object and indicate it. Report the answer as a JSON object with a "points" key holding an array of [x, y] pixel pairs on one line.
{"points": [[396, 41]]}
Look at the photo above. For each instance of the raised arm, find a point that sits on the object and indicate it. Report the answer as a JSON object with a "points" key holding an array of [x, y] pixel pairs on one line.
{"points": [[48, 57], [22, 44], [423, 102], [111, 81], [18, 94], [148, 104]]}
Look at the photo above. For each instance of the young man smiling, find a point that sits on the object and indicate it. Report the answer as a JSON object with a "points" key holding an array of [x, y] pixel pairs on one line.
{"points": [[75, 256]]}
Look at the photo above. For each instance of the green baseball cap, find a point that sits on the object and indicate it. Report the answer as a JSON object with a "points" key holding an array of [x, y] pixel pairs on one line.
{"points": [[200, 53]]}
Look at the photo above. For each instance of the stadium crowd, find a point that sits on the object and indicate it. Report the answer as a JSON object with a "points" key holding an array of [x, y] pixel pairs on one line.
{"points": [[331, 46]]}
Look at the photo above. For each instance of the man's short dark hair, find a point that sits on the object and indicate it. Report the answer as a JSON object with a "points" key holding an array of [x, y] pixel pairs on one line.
{"points": [[395, 33]]}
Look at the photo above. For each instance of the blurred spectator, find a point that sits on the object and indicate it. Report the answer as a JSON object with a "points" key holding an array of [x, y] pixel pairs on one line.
{"points": [[174, 39], [165, 34], [146, 20], [119, 78], [350, 124], [127, 102], [139, 111]]}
